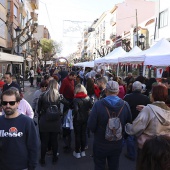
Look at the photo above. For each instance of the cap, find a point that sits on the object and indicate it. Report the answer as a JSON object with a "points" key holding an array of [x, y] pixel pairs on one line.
{"points": [[112, 86], [137, 85]]}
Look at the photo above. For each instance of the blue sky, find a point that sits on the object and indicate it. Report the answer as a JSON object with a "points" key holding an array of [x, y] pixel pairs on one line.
{"points": [[54, 14]]}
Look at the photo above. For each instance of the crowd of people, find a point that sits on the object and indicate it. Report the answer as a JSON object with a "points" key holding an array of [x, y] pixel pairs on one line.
{"points": [[133, 111]]}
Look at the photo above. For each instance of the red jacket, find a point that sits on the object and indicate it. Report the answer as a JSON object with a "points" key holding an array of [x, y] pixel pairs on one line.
{"points": [[67, 88], [97, 91]]}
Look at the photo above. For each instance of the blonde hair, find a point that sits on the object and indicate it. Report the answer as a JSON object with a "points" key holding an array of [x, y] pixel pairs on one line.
{"points": [[52, 93], [80, 88]]}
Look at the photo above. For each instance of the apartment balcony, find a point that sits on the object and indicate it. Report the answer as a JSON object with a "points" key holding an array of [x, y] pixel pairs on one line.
{"points": [[34, 16], [34, 4]]}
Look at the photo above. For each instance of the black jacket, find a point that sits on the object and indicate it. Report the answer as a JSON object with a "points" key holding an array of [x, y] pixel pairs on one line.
{"points": [[13, 84], [136, 98], [43, 104], [81, 108]]}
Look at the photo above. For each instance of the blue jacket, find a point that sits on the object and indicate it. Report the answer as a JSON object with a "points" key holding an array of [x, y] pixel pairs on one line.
{"points": [[98, 118]]}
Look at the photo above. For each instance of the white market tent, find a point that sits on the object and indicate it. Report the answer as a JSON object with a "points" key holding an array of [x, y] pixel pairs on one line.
{"points": [[85, 64], [133, 51], [160, 48], [159, 59], [111, 57]]}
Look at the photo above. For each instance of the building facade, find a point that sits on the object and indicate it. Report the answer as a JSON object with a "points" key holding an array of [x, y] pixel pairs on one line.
{"points": [[126, 16], [162, 19]]}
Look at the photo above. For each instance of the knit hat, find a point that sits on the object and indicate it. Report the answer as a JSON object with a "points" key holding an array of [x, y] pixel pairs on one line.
{"points": [[112, 86]]}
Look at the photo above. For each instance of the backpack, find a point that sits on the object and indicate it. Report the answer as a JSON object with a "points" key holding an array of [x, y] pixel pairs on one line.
{"points": [[114, 127], [52, 112]]}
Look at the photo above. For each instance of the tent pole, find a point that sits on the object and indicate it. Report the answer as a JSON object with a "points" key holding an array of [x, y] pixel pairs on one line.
{"points": [[117, 69], [144, 69]]}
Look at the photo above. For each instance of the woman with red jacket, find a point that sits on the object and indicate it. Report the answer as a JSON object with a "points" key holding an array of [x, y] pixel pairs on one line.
{"points": [[81, 107]]}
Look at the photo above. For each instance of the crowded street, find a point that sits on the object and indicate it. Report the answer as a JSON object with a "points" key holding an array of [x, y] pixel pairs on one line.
{"points": [[66, 160], [84, 85]]}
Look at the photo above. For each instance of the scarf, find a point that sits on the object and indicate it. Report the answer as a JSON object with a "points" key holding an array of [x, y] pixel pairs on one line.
{"points": [[80, 95]]}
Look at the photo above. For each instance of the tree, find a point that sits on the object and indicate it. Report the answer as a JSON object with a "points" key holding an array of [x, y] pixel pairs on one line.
{"points": [[49, 48], [26, 32], [104, 50]]}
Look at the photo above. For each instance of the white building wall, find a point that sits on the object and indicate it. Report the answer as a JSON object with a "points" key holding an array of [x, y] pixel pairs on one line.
{"points": [[162, 6]]}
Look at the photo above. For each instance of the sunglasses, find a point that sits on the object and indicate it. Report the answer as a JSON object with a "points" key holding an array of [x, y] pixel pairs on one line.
{"points": [[12, 103]]}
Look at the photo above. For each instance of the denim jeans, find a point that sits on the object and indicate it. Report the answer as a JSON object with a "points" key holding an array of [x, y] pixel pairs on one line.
{"points": [[103, 153], [131, 146]]}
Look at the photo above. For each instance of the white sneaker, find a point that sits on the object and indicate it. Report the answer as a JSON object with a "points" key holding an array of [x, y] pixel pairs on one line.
{"points": [[83, 154], [77, 155]]}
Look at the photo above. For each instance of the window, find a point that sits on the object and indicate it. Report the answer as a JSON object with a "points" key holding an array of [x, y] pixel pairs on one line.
{"points": [[15, 11], [163, 19], [2, 29], [2, 2]]}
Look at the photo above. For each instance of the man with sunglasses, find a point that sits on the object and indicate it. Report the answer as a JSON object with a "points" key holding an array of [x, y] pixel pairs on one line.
{"points": [[18, 136]]}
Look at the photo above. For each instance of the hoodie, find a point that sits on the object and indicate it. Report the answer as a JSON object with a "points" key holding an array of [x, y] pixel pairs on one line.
{"points": [[98, 118], [154, 119]]}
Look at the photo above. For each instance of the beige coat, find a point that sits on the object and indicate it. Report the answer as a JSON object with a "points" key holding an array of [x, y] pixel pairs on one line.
{"points": [[154, 119]]}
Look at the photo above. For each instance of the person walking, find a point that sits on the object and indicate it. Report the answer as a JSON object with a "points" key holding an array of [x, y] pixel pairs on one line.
{"points": [[23, 107], [81, 108], [19, 144], [36, 95], [103, 148], [9, 83], [101, 82], [67, 90], [49, 129], [31, 76], [134, 99], [153, 120]]}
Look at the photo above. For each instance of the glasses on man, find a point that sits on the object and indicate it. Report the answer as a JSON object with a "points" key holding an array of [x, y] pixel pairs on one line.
{"points": [[12, 103]]}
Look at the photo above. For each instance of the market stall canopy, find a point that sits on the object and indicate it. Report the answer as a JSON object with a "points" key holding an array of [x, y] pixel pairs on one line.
{"points": [[5, 57], [85, 64], [79, 64], [160, 48], [111, 57], [159, 59], [133, 51]]}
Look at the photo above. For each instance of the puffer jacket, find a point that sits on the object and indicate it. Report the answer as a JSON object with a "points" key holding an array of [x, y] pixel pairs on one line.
{"points": [[43, 104], [153, 120], [81, 108]]}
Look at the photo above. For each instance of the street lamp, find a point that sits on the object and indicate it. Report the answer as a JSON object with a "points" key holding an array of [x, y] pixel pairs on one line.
{"points": [[142, 40], [18, 30]]}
